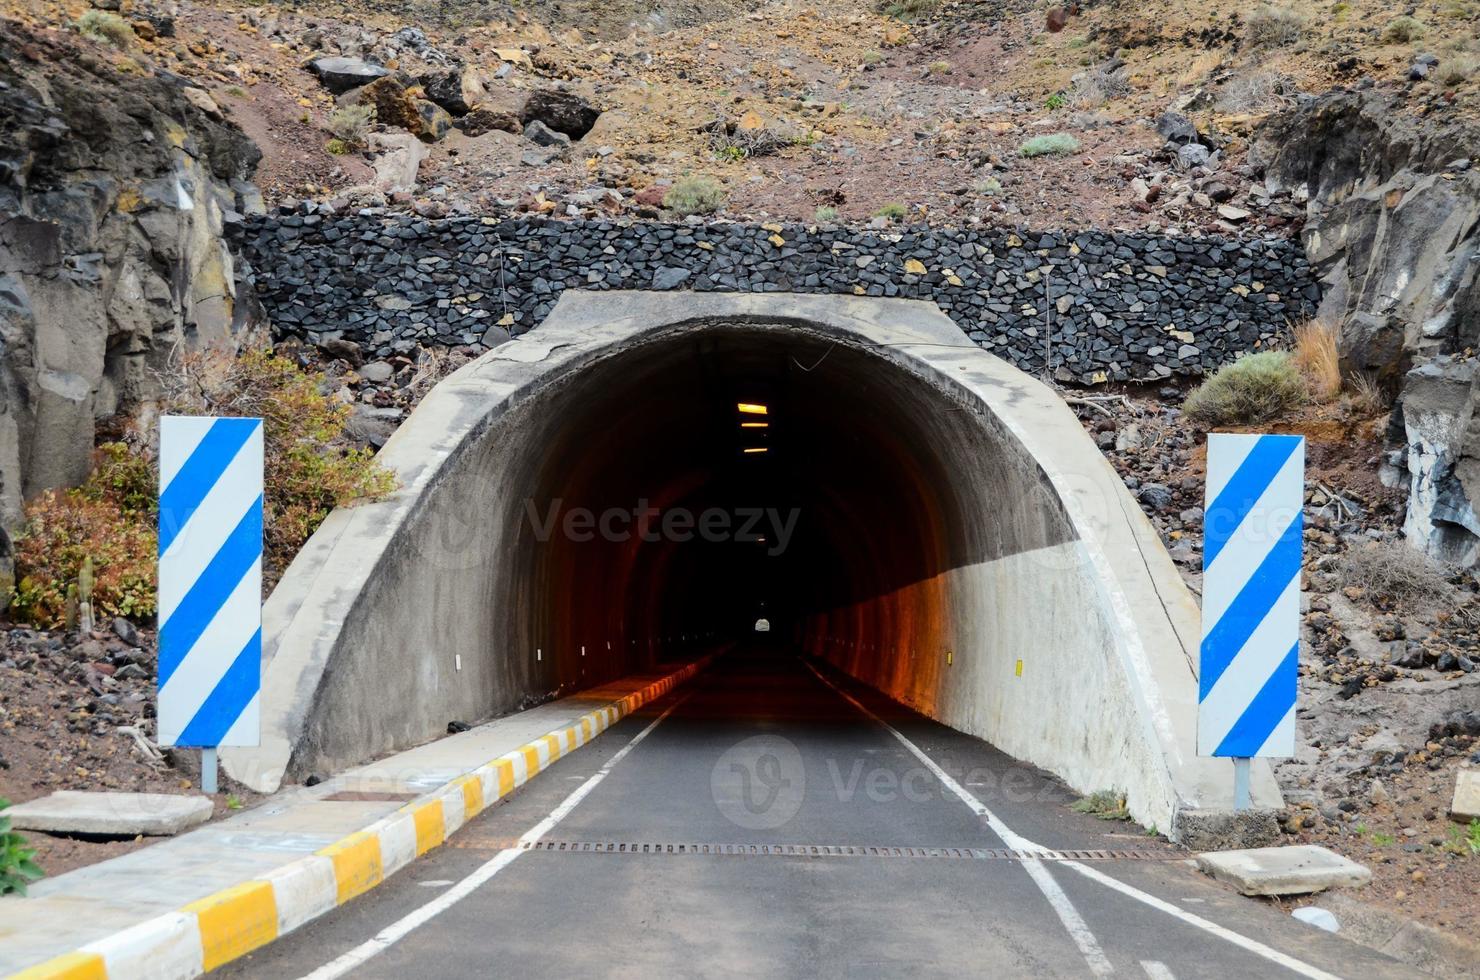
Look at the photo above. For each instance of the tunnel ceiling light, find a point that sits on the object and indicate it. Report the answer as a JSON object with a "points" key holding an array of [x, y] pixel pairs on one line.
{"points": [[754, 449], [750, 408], [755, 425]]}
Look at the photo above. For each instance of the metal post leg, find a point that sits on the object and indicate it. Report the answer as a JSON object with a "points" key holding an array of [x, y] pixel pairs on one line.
{"points": [[1240, 784], [208, 771]]}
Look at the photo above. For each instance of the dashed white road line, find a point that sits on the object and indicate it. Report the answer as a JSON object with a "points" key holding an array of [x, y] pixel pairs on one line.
{"points": [[1156, 970], [399, 929], [1074, 923]]}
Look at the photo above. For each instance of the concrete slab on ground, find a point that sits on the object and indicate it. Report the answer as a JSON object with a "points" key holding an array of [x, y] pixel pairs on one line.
{"points": [[111, 814], [1297, 870], [1466, 804]]}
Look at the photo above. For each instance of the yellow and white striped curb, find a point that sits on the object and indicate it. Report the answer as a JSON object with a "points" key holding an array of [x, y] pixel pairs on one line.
{"points": [[234, 921]]}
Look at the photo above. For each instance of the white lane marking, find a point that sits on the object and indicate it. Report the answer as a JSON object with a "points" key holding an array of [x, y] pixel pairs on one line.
{"points": [[1020, 843], [436, 883], [1073, 922], [1242, 941], [399, 929], [1157, 970]]}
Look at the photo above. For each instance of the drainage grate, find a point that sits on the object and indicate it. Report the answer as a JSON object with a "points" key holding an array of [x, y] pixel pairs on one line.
{"points": [[689, 849]]}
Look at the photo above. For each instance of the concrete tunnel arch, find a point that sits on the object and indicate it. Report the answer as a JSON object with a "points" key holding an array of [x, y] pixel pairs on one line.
{"points": [[958, 543]]}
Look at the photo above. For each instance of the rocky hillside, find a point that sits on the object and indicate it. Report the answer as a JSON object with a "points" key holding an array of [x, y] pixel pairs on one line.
{"points": [[114, 191]]}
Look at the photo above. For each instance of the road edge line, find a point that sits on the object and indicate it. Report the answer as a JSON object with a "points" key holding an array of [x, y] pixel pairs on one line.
{"points": [[241, 918]]}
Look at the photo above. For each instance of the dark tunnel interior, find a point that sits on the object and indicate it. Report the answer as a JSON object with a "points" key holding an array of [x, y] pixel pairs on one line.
{"points": [[693, 486]]}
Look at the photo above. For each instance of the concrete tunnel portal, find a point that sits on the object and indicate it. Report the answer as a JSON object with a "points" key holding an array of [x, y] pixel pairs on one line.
{"points": [[644, 474]]}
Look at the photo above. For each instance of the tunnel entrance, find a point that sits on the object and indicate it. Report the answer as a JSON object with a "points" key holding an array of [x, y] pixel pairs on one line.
{"points": [[646, 475], [689, 486]]}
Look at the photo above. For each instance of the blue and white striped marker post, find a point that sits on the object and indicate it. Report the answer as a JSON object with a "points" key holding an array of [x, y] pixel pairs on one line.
{"points": [[210, 584], [1251, 600]]}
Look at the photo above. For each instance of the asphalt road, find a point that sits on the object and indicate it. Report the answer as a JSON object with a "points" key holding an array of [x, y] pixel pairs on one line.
{"points": [[760, 750]]}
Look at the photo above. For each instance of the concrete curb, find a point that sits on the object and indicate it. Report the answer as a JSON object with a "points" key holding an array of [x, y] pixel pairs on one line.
{"points": [[236, 920]]}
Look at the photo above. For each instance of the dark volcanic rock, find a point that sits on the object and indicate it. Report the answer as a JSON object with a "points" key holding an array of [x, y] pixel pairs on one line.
{"points": [[339, 75], [564, 112]]}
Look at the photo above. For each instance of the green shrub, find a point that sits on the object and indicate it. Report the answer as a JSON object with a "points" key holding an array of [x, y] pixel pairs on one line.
{"points": [[893, 210], [910, 10], [827, 215], [1049, 144], [309, 467], [351, 123], [940, 68], [1274, 27], [1254, 388], [694, 195], [17, 868], [989, 187], [109, 520], [1402, 30], [1056, 101], [109, 28], [1105, 805]]}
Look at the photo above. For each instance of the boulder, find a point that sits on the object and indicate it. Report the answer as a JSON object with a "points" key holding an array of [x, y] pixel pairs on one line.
{"points": [[541, 135], [398, 158], [564, 112], [339, 75], [483, 120], [432, 121], [393, 106], [1176, 128], [458, 90]]}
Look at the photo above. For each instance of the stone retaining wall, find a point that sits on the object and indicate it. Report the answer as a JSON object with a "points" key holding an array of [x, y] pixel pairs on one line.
{"points": [[1119, 306]]}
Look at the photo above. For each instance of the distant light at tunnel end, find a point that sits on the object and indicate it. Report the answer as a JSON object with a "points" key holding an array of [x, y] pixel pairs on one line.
{"points": [[751, 408], [755, 425], [754, 449]]}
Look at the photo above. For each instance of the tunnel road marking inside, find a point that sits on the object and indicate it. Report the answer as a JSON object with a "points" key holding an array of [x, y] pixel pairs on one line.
{"points": [[1020, 843], [399, 929]]}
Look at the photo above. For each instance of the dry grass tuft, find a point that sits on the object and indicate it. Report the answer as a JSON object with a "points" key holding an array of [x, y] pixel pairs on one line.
{"points": [[1317, 359], [1395, 574]]}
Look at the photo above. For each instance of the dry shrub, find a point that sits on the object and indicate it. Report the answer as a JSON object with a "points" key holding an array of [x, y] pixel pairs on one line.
{"points": [[1093, 89], [1394, 574], [1367, 395], [110, 519], [1254, 388], [1317, 359], [309, 466], [1253, 92], [1274, 27]]}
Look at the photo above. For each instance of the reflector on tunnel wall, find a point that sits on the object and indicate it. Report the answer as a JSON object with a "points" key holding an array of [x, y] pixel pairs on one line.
{"points": [[1251, 595]]}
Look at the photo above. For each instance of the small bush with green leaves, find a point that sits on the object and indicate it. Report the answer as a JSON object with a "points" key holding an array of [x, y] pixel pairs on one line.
{"points": [[694, 195], [1103, 805], [1254, 388], [893, 211], [1274, 27], [988, 187], [109, 28], [910, 10], [1403, 30], [1056, 101], [826, 214], [17, 861], [351, 123], [1050, 144]]}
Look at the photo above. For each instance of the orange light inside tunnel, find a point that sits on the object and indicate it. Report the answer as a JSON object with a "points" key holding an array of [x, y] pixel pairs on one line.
{"points": [[754, 449], [754, 425], [750, 408]]}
